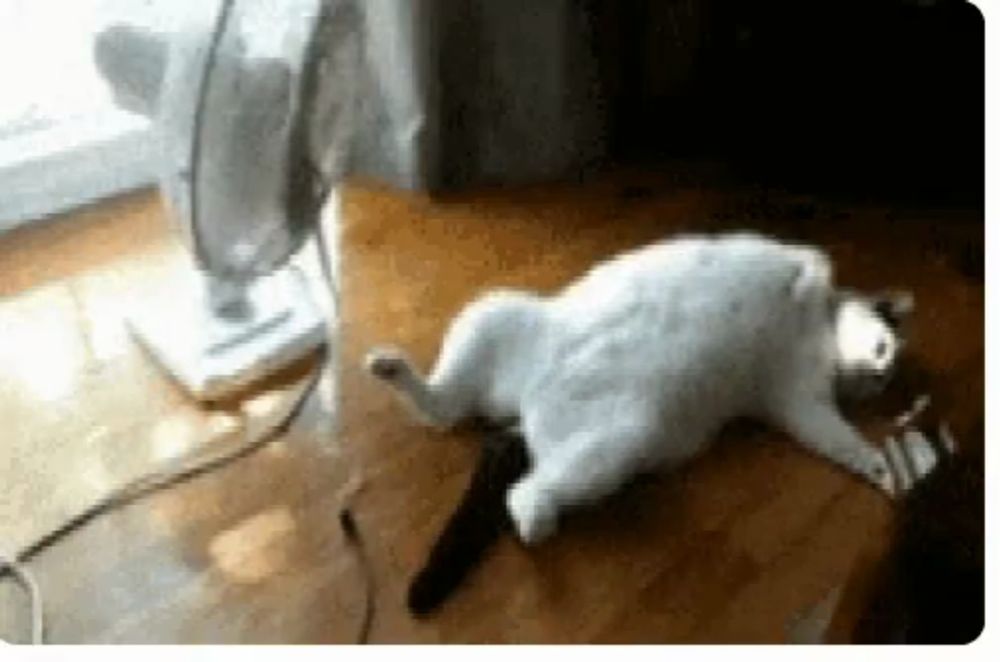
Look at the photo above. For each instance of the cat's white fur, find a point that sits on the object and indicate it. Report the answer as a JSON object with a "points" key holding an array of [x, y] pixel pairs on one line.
{"points": [[639, 363]]}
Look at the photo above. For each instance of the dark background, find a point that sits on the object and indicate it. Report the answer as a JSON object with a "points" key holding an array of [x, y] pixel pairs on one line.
{"points": [[880, 98]]}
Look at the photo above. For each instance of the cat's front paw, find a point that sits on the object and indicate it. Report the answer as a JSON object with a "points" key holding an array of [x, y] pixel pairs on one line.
{"points": [[533, 514], [386, 363], [915, 453], [878, 471]]}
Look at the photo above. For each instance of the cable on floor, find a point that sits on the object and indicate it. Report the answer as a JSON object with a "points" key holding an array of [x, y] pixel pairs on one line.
{"points": [[191, 468], [143, 486], [349, 526], [157, 481], [30, 586]]}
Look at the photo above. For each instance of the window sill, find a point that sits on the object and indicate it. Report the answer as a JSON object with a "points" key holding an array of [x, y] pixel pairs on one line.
{"points": [[72, 163]]}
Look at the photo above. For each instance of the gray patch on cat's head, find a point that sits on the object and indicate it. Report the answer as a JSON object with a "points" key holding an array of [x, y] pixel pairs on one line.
{"points": [[869, 338]]}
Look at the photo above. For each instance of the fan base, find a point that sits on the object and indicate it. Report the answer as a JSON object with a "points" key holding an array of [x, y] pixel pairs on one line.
{"points": [[212, 356]]}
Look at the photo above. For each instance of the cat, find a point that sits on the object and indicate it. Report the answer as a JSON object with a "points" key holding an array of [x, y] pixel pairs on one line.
{"points": [[638, 364]]}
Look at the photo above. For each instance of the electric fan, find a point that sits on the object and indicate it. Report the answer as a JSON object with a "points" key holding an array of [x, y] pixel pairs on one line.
{"points": [[251, 105]]}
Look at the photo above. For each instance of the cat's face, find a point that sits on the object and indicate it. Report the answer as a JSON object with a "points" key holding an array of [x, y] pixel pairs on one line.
{"points": [[868, 341]]}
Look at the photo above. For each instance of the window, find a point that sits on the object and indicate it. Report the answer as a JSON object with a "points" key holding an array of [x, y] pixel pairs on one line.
{"points": [[63, 142]]}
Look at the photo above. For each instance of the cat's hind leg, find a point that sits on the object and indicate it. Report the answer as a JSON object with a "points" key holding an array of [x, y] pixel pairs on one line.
{"points": [[433, 405], [587, 471], [483, 336]]}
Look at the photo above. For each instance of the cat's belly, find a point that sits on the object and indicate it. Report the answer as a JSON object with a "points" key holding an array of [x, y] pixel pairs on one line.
{"points": [[665, 393], [662, 351], [630, 425]]}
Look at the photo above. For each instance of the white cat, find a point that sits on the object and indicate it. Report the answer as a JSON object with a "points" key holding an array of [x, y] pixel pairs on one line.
{"points": [[638, 364]]}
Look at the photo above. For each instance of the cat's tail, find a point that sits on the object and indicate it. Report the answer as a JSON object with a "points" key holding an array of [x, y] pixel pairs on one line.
{"points": [[479, 520]]}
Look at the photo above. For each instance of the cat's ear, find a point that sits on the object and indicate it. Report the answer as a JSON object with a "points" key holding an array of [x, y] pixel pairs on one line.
{"points": [[895, 307]]}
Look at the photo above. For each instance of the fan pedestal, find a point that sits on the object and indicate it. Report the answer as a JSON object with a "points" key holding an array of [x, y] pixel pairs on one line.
{"points": [[217, 338]]}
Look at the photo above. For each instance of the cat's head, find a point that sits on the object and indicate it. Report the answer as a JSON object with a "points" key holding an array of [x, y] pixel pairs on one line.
{"points": [[869, 335]]}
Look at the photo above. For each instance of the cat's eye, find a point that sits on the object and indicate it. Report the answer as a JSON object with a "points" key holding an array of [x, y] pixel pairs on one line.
{"points": [[881, 348]]}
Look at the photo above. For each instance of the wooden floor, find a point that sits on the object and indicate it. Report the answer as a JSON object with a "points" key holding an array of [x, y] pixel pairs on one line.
{"points": [[732, 549]]}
